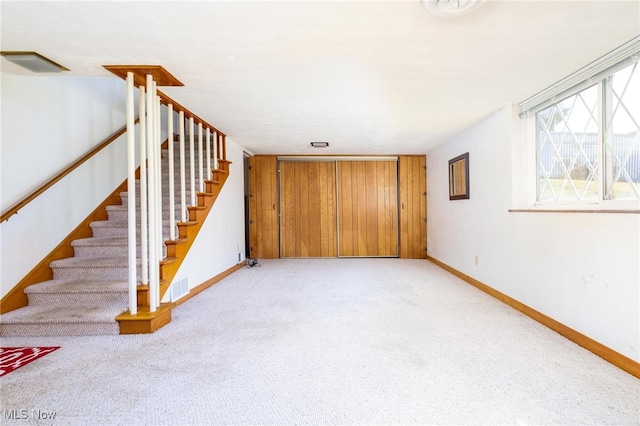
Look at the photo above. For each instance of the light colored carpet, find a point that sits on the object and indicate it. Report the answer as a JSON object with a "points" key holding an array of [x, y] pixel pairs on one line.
{"points": [[332, 341]]}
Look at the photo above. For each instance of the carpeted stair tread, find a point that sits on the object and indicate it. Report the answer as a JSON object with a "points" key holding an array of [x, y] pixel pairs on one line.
{"points": [[62, 314], [78, 286], [124, 195], [119, 225], [125, 208], [93, 268], [121, 212], [106, 241], [120, 228], [106, 247], [103, 242], [91, 262], [109, 224], [73, 292], [165, 189], [116, 223]]}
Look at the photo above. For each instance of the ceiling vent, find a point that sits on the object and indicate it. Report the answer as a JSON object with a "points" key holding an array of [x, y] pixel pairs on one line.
{"points": [[33, 61], [320, 144]]}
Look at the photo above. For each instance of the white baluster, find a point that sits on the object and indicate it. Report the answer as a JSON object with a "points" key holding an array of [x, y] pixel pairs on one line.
{"points": [[144, 241], [215, 150], [158, 206], [172, 200], [200, 164], [208, 136], [153, 261], [192, 162], [183, 188], [131, 201]]}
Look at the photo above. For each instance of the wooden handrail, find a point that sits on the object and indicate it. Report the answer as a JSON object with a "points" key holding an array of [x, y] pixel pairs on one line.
{"points": [[165, 99], [13, 210]]}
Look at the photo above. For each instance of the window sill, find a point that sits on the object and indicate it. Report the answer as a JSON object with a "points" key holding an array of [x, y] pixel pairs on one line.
{"points": [[546, 209]]}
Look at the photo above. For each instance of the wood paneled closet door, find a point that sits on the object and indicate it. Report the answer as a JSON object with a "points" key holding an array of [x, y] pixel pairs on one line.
{"points": [[263, 207], [308, 209], [413, 206], [368, 208]]}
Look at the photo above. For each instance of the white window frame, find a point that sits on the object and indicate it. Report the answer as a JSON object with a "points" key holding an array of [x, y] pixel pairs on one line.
{"points": [[594, 73]]}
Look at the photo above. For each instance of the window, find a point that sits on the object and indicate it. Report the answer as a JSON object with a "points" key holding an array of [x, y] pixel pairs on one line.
{"points": [[588, 145], [621, 134], [587, 132]]}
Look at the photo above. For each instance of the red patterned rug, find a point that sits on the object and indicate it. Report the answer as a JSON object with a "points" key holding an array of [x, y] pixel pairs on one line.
{"points": [[14, 358]]}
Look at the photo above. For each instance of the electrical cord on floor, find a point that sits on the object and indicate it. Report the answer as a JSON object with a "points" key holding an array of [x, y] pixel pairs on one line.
{"points": [[252, 262]]}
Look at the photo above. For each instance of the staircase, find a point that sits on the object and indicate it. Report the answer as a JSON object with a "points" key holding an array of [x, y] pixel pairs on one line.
{"points": [[89, 290]]}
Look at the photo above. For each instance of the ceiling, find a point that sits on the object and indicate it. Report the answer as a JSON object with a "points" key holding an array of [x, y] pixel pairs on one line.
{"points": [[369, 77]]}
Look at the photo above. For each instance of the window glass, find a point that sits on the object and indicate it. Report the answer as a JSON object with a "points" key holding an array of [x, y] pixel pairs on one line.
{"points": [[622, 134], [567, 148]]}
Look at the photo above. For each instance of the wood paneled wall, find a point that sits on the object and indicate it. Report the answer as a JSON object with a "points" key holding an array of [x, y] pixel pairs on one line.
{"points": [[413, 207], [368, 208], [308, 209], [263, 207], [338, 208]]}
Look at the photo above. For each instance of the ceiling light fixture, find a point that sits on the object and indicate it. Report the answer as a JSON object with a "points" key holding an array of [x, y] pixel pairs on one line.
{"points": [[450, 7], [320, 144], [33, 61]]}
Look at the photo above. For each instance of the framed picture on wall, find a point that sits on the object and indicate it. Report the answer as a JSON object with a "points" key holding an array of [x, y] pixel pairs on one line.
{"points": [[459, 177]]}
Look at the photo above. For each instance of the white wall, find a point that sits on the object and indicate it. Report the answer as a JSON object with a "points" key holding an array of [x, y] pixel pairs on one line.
{"points": [[581, 269], [222, 235], [47, 123]]}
